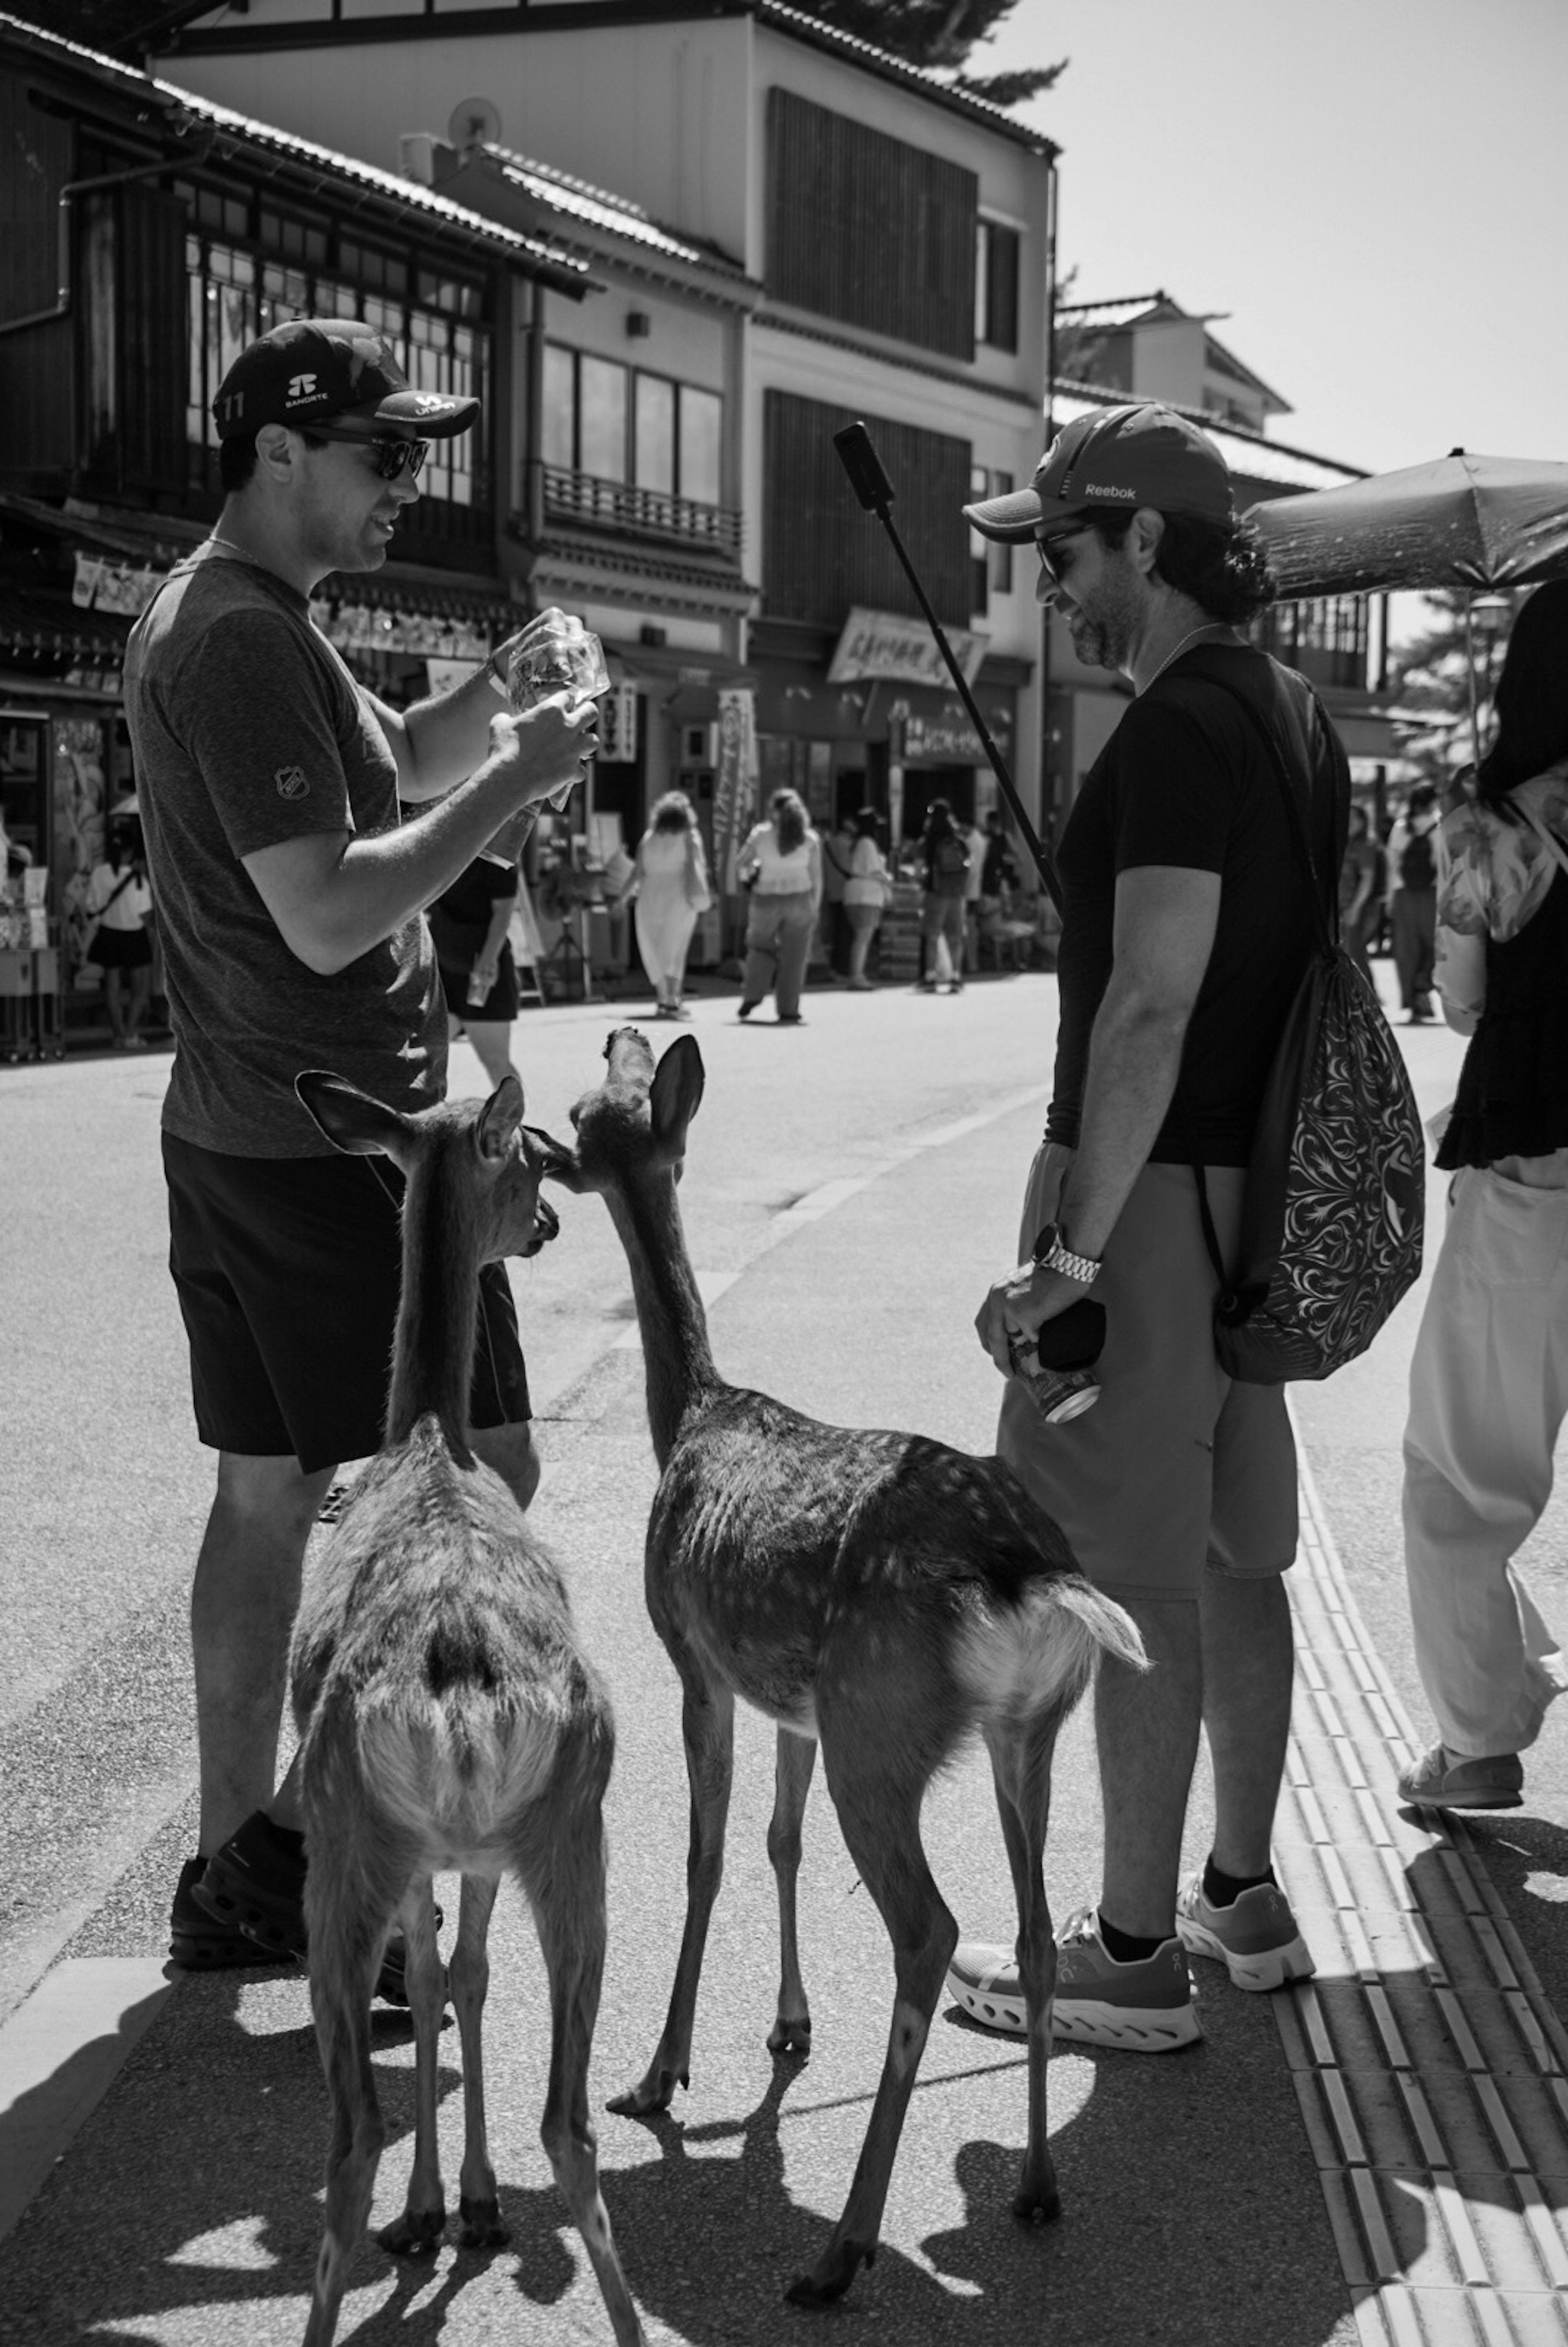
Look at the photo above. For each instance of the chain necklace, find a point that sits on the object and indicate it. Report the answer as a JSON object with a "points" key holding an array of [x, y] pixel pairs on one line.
{"points": [[228, 547], [1208, 628]]}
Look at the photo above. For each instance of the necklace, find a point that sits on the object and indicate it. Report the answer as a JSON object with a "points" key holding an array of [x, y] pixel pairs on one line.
{"points": [[1208, 628], [228, 547]]}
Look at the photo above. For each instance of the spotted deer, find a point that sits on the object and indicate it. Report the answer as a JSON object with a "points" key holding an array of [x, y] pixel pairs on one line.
{"points": [[448, 1717], [879, 1593]]}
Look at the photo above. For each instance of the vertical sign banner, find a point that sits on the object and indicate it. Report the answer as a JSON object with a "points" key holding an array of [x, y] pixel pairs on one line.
{"points": [[735, 779]]}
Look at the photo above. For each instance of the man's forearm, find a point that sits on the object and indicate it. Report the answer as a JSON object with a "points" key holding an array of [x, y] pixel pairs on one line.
{"points": [[445, 739], [1134, 1056]]}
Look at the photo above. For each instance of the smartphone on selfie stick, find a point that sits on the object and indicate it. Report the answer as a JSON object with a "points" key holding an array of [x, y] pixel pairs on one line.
{"points": [[875, 492]]}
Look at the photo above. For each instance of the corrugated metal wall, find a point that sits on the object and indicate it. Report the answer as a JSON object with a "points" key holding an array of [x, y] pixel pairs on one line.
{"points": [[821, 553], [870, 230]]}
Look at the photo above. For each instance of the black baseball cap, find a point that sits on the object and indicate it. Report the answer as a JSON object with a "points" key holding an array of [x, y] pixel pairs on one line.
{"points": [[314, 368], [1116, 458]]}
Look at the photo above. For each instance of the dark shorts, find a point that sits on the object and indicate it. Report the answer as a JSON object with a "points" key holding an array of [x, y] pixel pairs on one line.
{"points": [[120, 949], [288, 1271], [501, 1004]]}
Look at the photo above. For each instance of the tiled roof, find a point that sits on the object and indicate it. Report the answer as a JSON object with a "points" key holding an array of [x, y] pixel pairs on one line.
{"points": [[880, 61], [244, 130], [589, 207], [1112, 313]]}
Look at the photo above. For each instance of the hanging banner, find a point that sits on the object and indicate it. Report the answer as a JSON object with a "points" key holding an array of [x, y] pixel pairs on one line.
{"points": [[903, 652], [734, 781]]}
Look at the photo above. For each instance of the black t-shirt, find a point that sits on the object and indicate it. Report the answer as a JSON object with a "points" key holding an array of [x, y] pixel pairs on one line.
{"points": [[1186, 781]]}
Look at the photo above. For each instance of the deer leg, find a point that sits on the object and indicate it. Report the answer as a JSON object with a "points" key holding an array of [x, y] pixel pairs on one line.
{"points": [[417, 2233], [881, 1826], [791, 2030], [468, 1980], [345, 1952], [1021, 1767], [708, 1722], [568, 1901]]}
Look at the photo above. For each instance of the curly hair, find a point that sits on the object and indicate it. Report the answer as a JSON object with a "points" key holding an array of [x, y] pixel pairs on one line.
{"points": [[1532, 698], [788, 810], [1222, 565]]}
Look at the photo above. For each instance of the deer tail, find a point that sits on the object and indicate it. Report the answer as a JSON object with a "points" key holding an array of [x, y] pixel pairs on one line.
{"points": [[1039, 1654]]}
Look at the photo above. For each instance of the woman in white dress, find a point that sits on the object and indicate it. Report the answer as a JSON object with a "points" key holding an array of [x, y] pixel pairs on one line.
{"points": [[670, 877]]}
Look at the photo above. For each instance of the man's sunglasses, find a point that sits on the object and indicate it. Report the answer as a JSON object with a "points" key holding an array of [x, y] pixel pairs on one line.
{"points": [[1046, 548], [393, 458]]}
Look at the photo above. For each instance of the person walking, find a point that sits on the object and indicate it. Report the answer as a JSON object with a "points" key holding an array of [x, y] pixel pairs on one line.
{"points": [[1489, 1377], [468, 923], [944, 859], [669, 877], [975, 840], [837, 849], [1361, 890], [866, 893], [1185, 931], [1412, 900], [785, 855], [119, 901], [291, 909]]}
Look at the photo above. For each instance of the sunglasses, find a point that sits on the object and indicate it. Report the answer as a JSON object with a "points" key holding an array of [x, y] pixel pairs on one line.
{"points": [[392, 457], [1046, 548]]}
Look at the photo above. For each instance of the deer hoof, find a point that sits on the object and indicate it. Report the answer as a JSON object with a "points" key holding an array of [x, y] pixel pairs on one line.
{"points": [[790, 2036], [482, 2225], [418, 2232], [655, 2094], [830, 2277]]}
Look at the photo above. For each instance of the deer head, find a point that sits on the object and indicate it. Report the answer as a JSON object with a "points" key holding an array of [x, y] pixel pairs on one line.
{"points": [[485, 1142], [635, 1120]]}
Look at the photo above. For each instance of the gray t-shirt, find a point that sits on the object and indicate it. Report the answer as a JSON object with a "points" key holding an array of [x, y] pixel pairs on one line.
{"points": [[248, 730]]}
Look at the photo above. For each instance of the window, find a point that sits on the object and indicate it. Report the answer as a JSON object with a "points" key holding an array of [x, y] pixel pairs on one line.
{"points": [[620, 424], [991, 563], [996, 286]]}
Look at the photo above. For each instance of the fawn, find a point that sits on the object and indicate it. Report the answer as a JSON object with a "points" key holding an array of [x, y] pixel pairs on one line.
{"points": [[878, 1593], [448, 1717]]}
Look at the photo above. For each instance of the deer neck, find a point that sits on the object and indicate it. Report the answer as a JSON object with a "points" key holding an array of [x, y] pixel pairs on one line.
{"points": [[433, 1352], [676, 1356]]}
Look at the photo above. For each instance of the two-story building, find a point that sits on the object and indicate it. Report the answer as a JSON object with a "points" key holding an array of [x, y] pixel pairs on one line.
{"points": [[146, 236], [891, 238]]}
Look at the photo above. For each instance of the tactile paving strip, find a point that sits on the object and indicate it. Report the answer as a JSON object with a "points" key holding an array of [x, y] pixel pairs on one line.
{"points": [[1431, 2071]]}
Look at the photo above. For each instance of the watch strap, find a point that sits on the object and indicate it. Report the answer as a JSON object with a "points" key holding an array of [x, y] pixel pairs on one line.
{"points": [[1051, 1253]]}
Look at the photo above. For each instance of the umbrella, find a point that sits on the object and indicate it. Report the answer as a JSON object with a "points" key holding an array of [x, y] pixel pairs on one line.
{"points": [[1474, 523]]}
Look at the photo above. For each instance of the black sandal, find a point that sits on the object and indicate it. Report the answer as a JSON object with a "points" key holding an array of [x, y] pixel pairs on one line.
{"points": [[255, 1886]]}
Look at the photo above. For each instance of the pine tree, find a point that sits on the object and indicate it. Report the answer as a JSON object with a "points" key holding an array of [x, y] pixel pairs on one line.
{"points": [[939, 35], [1432, 678]]}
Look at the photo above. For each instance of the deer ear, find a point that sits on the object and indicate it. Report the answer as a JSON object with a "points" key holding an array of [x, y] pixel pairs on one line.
{"points": [[351, 1120], [497, 1127], [677, 1094]]}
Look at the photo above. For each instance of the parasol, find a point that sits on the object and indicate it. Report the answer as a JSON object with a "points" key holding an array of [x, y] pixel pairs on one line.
{"points": [[1474, 524]]}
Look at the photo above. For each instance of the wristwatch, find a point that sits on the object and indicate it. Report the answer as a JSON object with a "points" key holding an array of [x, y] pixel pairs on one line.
{"points": [[1053, 1254]]}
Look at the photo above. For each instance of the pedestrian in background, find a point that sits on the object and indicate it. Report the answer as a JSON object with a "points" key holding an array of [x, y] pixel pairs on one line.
{"points": [[1412, 900], [120, 903], [837, 849], [291, 909], [1361, 879], [867, 893], [468, 923], [783, 859], [944, 865], [669, 877], [1186, 929], [974, 882], [1489, 1377]]}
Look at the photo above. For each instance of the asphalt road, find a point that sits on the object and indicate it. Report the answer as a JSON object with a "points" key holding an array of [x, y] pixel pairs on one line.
{"points": [[851, 1188]]}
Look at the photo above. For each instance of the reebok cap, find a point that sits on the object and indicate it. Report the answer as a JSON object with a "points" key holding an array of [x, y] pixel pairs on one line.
{"points": [[1115, 458]]}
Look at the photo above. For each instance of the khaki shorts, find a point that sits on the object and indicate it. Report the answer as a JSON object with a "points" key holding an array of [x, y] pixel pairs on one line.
{"points": [[1176, 1469]]}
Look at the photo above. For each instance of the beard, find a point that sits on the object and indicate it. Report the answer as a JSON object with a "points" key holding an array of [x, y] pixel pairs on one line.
{"points": [[1103, 626]]}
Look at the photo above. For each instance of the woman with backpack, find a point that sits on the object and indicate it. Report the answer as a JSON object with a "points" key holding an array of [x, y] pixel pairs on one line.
{"points": [[1489, 1378], [944, 854]]}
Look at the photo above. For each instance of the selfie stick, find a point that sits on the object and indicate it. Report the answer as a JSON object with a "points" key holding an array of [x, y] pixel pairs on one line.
{"points": [[875, 492]]}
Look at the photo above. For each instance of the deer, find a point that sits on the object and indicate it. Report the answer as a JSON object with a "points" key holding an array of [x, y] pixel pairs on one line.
{"points": [[448, 1719], [879, 1593]]}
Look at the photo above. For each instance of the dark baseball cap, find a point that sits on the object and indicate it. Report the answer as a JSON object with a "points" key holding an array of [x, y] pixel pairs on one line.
{"points": [[313, 368], [1117, 459]]}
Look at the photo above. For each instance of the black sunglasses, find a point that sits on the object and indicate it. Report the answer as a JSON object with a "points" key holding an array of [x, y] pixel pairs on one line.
{"points": [[393, 458], [1046, 548]]}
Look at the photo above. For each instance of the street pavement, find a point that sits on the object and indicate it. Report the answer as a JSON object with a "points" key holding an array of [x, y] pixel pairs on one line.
{"points": [[1383, 2157]]}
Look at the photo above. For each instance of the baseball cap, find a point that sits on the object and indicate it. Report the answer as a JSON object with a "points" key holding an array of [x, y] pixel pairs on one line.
{"points": [[1141, 455], [313, 368]]}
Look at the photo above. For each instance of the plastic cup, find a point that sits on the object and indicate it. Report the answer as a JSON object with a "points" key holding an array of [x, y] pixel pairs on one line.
{"points": [[566, 657]]}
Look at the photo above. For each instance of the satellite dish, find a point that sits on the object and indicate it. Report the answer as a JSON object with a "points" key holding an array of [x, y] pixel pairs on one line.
{"points": [[474, 122]]}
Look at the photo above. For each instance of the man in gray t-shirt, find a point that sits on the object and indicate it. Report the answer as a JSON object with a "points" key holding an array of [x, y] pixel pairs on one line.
{"points": [[290, 901]]}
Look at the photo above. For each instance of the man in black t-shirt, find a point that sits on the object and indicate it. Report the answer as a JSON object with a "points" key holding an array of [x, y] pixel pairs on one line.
{"points": [[1186, 929]]}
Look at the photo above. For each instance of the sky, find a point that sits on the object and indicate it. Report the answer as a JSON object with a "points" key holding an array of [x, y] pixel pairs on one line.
{"points": [[1375, 191]]}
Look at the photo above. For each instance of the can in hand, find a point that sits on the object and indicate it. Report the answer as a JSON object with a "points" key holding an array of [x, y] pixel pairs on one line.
{"points": [[1057, 1363]]}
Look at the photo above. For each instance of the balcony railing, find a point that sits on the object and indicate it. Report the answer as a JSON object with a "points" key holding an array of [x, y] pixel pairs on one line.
{"points": [[637, 513]]}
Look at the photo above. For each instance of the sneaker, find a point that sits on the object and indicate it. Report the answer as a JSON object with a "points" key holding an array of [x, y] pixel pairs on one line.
{"points": [[747, 1008], [255, 1885], [1441, 1780], [1145, 2007], [1254, 1938], [198, 1943]]}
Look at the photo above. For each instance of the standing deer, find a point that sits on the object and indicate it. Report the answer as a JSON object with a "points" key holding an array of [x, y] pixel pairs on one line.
{"points": [[878, 1593], [448, 1717]]}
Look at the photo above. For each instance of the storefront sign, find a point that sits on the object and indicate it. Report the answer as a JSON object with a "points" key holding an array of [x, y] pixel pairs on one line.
{"points": [[903, 652], [946, 740], [734, 781]]}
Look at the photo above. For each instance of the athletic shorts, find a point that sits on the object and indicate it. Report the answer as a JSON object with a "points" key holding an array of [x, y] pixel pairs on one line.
{"points": [[288, 1271], [1176, 1469]]}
